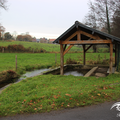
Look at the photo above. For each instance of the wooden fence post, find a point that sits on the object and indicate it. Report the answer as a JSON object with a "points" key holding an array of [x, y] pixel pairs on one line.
{"points": [[2, 50], [55, 58], [16, 62]]}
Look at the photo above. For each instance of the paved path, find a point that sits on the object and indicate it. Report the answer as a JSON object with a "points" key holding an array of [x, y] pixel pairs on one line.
{"points": [[94, 112]]}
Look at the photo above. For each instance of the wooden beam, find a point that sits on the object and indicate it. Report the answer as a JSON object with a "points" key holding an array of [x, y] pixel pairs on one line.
{"points": [[64, 47], [88, 48], [89, 35], [68, 49], [111, 58], [61, 60], [87, 42], [78, 35], [70, 37], [83, 54]]}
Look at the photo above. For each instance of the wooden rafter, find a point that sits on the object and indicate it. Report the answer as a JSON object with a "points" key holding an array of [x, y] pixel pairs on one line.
{"points": [[71, 36], [68, 49], [87, 42], [89, 35]]}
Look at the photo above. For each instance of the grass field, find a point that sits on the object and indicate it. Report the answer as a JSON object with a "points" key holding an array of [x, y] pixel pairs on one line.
{"points": [[45, 46], [44, 93], [27, 61], [51, 92]]}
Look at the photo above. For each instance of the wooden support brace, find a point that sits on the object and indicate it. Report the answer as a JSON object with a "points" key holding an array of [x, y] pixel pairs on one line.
{"points": [[64, 47], [88, 48], [68, 49]]}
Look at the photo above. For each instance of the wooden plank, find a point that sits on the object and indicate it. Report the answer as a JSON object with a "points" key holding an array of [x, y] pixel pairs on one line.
{"points": [[87, 42], [61, 60], [111, 58], [90, 72], [68, 49]]}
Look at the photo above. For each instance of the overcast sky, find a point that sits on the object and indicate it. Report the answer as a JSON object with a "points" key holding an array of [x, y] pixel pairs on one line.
{"points": [[42, 18]]}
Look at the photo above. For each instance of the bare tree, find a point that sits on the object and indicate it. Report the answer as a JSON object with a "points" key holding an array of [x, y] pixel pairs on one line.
{"points": [[3, 4], [101, 13], [116, 23]]}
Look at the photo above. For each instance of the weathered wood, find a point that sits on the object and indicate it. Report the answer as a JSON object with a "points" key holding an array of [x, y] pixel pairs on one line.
{"points": [[55, 58], [87, 42], [64, 47], [83, 54], [61, 60], [111, 58], [68, 49], [88, 48], [78, 35], [90, 72], [89, 35], [70, 37]]}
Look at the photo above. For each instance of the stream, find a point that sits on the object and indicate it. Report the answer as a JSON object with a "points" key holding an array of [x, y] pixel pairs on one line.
{"points": [[35, 73]]}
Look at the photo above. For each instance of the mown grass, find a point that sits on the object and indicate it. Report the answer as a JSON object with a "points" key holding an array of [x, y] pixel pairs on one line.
{"points": [[27, 61], [33, 45], [51, 92]]}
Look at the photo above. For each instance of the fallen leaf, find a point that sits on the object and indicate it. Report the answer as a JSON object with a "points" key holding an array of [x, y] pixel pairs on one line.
{"points": [[55, 96], [68, 95], [98, 94], [70, 98]]}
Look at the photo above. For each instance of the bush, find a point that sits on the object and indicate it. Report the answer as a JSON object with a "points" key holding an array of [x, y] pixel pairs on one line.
{"points": [[71, 61], [20, 49]]}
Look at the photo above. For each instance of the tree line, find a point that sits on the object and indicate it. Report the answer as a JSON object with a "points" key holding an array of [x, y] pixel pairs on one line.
{"points": [[104, 15]]}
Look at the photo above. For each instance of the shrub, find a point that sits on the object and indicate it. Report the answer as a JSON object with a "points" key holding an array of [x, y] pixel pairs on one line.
{"points": [[71, 61]]}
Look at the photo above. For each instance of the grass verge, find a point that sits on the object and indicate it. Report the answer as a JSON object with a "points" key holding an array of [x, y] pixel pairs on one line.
{"points": [[51, 92]]}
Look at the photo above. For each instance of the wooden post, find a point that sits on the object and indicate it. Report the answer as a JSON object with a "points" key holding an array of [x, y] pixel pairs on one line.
{"points": [[111, 58], [2, 50], [16, 62], [55, 58], [61, 60], [116, 48], [83, 54]]}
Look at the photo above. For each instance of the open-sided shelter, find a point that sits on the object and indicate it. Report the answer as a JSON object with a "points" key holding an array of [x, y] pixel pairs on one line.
{"points": [[80, 34]]}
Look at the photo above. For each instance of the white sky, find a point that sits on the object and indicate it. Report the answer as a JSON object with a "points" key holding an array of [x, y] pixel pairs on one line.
{"points": [[42, 18]]}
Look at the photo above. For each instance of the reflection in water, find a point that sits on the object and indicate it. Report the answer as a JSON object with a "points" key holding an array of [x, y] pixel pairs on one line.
{"points": [[32, 74], [74, 73], [24, 76]]}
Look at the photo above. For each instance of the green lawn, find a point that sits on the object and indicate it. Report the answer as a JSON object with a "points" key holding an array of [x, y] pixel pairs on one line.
{"points": [[45, 46], [27, 61], [44, 93]]}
